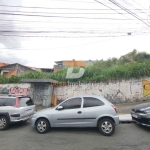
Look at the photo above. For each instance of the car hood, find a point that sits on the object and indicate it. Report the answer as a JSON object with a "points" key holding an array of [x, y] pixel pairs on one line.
{"points": [[142, 107]]}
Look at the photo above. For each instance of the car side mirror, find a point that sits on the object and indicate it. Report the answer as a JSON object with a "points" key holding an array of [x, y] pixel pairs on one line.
{"points": [[60, 108]]}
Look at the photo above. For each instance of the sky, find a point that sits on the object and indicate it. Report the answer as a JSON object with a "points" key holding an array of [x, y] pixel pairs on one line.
{"points": [[37, 33]]}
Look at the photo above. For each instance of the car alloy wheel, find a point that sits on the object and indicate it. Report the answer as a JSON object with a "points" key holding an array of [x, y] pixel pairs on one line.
{"points": [[3, 123], [106, 127], [42, 125]]}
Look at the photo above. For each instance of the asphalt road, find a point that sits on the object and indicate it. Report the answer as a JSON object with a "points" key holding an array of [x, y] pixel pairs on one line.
{"points": [[24, 137]]}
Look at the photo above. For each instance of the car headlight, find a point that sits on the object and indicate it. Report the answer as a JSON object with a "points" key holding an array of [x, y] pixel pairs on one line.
{"points": [[148, 111]]}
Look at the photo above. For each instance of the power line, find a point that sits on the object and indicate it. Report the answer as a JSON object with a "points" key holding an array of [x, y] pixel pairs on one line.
{"points": [[131, 13], [48, 21], [63, 36], [51, 48], [108, 7], [58, 36], [65, 17], [132, 6], [66, 12], [72, 1], [138, 4], [116, 30], [59, 8]]}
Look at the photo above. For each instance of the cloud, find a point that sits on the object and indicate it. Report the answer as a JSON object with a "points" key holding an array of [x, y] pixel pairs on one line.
{"points": [[9, 42], [7, 23], [12, 58]]}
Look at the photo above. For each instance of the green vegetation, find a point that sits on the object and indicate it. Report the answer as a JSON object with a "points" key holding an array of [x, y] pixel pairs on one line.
{"points": [[131, 65]]}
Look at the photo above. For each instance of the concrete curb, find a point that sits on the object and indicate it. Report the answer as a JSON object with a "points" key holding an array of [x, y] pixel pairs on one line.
{"points": [[125, 118]]}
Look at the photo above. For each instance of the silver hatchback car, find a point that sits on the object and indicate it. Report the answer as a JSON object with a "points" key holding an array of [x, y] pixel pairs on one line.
{"points": [[80, 111]]}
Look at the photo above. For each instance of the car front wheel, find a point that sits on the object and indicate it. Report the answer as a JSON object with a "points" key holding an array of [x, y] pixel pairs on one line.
{"points": [[106, 127], [42, 126], [3, 123]]}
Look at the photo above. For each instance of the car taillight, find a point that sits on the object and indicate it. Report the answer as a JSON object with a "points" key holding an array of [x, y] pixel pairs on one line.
{"points": [[114, 108], [17, 105]]}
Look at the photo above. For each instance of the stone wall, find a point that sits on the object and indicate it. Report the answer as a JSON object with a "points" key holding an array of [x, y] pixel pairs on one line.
{"points": [[115, 91]]}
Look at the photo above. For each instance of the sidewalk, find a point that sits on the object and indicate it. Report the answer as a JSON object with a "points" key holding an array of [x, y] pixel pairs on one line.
{"points": [[125, 118]]}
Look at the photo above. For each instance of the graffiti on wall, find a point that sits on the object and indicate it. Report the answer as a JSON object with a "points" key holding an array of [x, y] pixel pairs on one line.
{"points": [[146, 87], [18, 90], [4, 90], [14, 90]]}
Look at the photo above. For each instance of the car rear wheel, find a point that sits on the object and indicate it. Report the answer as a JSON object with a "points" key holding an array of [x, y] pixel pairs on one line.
{"points": [[106, 127], [3, 123], [42, 126]]}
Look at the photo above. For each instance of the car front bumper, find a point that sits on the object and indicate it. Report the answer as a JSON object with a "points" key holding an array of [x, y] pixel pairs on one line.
{"points": [[141, 119]]}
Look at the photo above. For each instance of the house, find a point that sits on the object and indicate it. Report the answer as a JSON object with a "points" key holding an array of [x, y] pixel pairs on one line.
{"points": [[3, 64], [72, 63], [13, 69], [47, 70]]}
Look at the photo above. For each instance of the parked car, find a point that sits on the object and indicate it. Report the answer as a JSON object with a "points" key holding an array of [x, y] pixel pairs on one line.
{"points": [[141, 114], [15, 109], [80, 111]]}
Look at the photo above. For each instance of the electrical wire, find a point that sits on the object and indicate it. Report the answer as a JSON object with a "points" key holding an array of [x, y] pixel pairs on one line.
{"points": [[64, 16], [130, 5], [131, 13], [19, 50], [67, 12], [109, 7], [59, 8]]}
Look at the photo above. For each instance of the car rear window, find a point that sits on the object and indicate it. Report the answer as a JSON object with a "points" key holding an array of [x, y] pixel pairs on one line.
{"points": [[92, 102], [26, 101], [7, 101]]}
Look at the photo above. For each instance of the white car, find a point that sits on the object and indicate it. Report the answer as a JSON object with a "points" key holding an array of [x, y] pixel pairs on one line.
{"points": [[15, 109]]}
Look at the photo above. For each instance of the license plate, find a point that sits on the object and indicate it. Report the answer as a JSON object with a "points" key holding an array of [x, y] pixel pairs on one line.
{"points": [[135, 116], [28, 111]]}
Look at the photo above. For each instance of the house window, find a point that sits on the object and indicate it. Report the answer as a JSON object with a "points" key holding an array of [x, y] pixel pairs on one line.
{"points": [[4, 73]]}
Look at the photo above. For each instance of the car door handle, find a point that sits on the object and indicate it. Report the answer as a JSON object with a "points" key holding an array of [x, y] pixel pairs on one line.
{"points": [[79, 112]]}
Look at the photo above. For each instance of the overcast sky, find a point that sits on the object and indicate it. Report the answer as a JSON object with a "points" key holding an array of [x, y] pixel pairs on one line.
{"points": [[71, 29]]}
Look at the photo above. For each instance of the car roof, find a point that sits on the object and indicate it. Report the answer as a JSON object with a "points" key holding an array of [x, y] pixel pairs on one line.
{"points": [[102, 98], [96, 96]]}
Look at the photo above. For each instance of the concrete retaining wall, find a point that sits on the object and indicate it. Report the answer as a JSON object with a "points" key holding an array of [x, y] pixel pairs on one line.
{"points": [[114, 91]]}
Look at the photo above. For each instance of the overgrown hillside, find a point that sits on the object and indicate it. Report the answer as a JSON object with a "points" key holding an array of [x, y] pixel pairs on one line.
{"points": [[131, 65]]}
